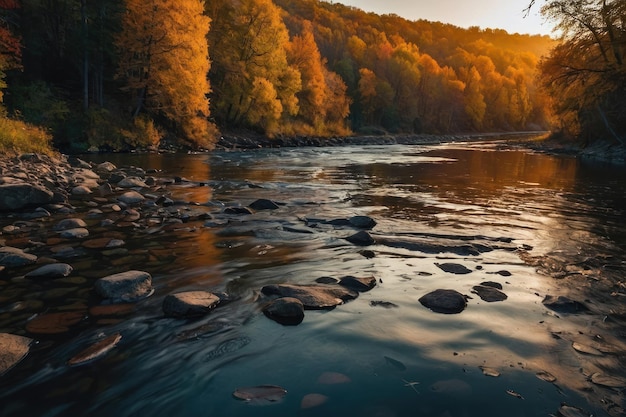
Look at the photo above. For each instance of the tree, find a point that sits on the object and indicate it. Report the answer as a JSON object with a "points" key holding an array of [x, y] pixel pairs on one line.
{"points": [[586, 72], [10, 44], [249, 41], [164, 62]]}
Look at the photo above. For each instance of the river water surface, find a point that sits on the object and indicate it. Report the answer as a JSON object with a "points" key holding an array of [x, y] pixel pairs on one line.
{"points": [[536, 224]]}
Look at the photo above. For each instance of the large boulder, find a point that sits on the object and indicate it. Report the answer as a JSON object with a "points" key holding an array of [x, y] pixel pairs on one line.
{"points": [[286, 310], [444, 301], [16, 196], [313, 297], [125, 287], [13, 349], [13, 257], [189, 304]]}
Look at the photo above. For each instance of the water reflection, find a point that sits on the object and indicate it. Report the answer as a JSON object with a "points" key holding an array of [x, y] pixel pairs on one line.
{"points": [[534, 223]]}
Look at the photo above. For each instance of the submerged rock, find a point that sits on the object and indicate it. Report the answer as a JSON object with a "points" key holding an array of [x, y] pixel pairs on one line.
{"points": [[263, 204], [95, 351], [72, 223], [562, 304], [131, 197], [126, 286], [444, 301], [285, 310], [489, 294], [13, 349], [313, 297], [453, 268], [189, 304], [361, 238], [362, 222]]}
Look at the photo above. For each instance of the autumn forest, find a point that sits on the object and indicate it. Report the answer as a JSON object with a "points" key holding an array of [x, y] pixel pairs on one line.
{"points": [[113, 74]]}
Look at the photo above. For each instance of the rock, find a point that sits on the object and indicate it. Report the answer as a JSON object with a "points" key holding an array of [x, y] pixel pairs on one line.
{"points": [[70, 224], [95, 351], [237, 210], [77, 233], [369, 254], [562, 304], [54, 323], [361, 238], [491, 284], [358, 284], [131, 197], [189, 304], [313, 297], [326, 280], [286, 310], [13, 257], [489, 294], [444, 301], [20, 195], [569, 411], [105, 167], [131, 182], [13, 349], [261, 394], [80, 190], [362, 222], [126, 286], [51, 271], [263, 204], [453, 268], [384, 304]]}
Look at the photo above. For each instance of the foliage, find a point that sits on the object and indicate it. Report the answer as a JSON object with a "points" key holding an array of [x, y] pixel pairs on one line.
{"points": [[163, 64], [586, 72], [18, 137]]}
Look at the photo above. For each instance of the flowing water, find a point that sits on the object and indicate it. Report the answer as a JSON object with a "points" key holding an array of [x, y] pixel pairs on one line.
{"points": [[536, 224]]}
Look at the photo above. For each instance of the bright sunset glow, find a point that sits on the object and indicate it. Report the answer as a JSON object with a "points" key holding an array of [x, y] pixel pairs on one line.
{"points": [[507, 15]]}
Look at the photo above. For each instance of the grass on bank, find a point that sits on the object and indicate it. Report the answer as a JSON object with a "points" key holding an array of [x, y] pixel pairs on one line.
{"points": [[17, 137]]}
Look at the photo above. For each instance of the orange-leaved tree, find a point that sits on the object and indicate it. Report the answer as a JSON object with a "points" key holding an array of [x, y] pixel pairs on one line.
{"points": [[164, 64]]}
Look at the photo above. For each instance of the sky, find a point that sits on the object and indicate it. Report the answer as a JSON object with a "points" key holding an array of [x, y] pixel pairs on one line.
{"points": [[500, 14]]}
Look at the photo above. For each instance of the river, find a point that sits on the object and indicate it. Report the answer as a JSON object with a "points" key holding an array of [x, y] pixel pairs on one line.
{"points": [[543, 225]]}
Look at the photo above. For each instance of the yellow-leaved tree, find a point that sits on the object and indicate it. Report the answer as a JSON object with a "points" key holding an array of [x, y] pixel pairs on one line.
{"points": [[164, 64]]}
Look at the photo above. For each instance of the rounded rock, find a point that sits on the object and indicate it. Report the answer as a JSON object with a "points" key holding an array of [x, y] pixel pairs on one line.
{"points": [[51, 271], [288, 311], [444, 301], [126, 286]]}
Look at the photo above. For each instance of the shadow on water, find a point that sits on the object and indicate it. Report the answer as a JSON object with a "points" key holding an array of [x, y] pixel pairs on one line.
{"points": [[536, 224]]}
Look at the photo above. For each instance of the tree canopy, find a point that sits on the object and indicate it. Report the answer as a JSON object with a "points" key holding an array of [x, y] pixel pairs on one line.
{"points": [[123, 74]]}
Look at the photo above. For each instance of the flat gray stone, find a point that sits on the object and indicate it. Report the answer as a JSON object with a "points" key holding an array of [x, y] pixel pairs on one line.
{"points": [[13, 349], [288, 311], [453, 268], [313, 297], [126, 286], [189, 304], [489, 294], [444, 301], [51, 271], [13, 257], [362, 222], [263, 204]]}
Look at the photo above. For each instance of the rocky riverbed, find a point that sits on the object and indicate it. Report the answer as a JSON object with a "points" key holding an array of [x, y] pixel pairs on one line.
{"points": [[67, 268]]}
